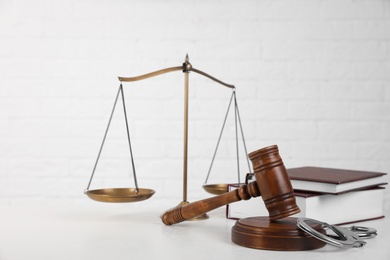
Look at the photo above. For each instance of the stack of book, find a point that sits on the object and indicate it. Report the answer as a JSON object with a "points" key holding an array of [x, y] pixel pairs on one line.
{"points": [[334, 196]]}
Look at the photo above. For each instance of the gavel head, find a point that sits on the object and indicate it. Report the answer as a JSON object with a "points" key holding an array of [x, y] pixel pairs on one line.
{"points": [[273, 182]]}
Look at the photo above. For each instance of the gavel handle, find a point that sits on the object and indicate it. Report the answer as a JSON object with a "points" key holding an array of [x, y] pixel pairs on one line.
{"points": [[194, 209]]}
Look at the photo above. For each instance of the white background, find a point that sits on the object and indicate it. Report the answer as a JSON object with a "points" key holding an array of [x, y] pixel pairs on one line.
{"points": [[311, 76]]}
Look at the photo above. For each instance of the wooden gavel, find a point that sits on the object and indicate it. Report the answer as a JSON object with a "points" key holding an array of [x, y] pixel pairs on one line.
{"points": [[272, 184]]}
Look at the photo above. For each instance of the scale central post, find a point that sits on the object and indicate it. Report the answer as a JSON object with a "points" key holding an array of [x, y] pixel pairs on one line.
{"points": [[187, 67]]}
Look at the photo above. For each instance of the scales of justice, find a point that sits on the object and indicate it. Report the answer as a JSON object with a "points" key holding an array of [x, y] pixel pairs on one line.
{"points": [[139, 194], [278, 231]]}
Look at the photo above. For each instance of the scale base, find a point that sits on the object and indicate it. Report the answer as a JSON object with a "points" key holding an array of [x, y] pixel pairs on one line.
{"points": [[280, 235]]}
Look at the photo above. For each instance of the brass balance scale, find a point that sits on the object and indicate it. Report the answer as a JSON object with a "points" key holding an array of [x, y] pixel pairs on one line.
{"points": [[120, 195]]}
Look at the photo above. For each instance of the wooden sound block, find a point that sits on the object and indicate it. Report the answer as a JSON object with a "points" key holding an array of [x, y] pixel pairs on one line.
{"points": [[282, 234]]}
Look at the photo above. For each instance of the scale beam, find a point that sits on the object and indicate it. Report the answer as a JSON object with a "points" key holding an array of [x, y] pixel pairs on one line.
{"points": [[212, 78], [184, 68], [149, 75]]}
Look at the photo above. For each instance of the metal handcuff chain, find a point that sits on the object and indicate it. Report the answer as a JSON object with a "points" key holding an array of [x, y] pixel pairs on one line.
{"points": [[344, 238]]}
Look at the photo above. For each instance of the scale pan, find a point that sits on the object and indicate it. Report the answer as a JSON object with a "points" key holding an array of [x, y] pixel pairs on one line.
{"points": [[216, 189], [120, 194]]}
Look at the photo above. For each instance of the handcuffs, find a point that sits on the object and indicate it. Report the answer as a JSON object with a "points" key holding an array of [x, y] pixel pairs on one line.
{"points": [[343, 237]]}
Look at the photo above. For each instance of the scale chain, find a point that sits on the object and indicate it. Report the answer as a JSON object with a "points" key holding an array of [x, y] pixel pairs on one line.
{"points": [[219, 138], [242, 132], [237, 123], [237, 149], [120, 91], [128, 139], [104, 138]]}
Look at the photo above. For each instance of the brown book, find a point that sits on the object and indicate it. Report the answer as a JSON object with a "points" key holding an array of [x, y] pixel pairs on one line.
{"points": [[328, 180]]}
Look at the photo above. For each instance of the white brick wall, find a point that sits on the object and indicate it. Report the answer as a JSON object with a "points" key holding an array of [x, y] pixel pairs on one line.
{"points": [[312, 76]]}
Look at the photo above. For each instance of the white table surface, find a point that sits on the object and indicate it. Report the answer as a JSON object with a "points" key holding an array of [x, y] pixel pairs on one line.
{"points": [[134, 231]]}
